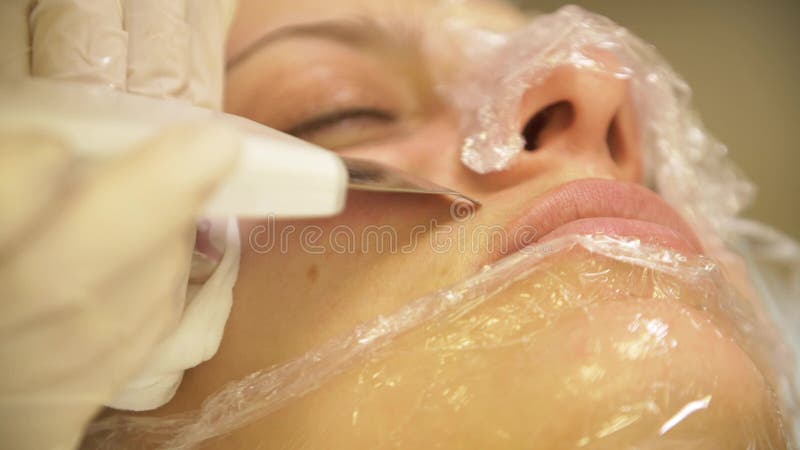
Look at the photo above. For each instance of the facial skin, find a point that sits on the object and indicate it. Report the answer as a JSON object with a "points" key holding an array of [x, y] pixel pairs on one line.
{"points": [[373, 96]]}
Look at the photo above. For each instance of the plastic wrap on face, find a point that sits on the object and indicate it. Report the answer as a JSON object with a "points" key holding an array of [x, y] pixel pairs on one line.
{"points": [[579, 342], [685, 163], [773, 266]]}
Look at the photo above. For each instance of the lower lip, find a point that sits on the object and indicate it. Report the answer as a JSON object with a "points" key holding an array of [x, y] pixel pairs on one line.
{"points": [[647, 232]]}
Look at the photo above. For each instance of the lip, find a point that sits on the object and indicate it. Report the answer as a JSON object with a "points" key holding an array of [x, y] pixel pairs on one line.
{"points": [[603, 206]]}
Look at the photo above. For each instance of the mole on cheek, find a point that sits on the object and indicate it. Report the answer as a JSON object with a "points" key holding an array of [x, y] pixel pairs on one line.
{"points": [[312, 273]]}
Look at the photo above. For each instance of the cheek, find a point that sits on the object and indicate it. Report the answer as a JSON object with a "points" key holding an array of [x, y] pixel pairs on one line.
{"points": [[398, 211], [612, 373]]}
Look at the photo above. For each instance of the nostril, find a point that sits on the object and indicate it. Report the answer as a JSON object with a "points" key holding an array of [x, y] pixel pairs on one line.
{"points": [[615, 141], [547, 118], [532, 130]]}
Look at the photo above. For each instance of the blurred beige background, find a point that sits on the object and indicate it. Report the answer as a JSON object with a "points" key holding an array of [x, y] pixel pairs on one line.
{"points": [[742, 58]]}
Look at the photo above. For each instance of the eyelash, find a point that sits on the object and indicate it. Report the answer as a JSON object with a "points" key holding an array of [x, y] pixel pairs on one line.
{"points": [[323, 121]]}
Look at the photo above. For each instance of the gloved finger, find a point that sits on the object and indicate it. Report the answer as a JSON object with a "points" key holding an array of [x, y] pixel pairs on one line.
{"points": [[82, 356], [208, 24], [158, 47], [120, 320], [79, 40], [118, 216], [38, 421], [33, 170], [15, 42]]}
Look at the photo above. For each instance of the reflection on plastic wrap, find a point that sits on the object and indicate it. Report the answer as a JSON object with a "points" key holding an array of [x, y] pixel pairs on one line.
{"points": [[580, 342]]}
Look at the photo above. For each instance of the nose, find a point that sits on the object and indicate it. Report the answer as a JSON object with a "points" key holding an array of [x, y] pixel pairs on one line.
{"points": [[577, 117], [577, 122]]}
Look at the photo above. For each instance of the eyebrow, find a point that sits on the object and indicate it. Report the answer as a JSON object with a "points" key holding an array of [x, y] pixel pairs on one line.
{"points": [[355, 31]]}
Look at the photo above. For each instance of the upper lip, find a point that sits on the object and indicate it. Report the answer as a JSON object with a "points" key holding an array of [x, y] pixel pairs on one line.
{"points": [[595, 198]]}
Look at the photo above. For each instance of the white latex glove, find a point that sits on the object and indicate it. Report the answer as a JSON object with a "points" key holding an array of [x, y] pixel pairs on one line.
{"points": [[94, 264], [156, 48], [93, 269]]}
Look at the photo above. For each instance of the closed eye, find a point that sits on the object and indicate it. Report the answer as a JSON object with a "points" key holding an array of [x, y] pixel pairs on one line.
{"points": [[328, 120]]}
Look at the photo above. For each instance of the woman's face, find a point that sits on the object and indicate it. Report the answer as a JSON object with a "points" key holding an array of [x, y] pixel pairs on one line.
{"points": [[372, 89]]}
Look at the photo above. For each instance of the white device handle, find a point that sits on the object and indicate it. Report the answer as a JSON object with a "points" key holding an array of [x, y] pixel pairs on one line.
{"points": [[277, 174]]}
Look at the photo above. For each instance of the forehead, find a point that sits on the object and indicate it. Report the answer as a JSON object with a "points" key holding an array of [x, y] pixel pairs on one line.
{"points": [[254, 18]]}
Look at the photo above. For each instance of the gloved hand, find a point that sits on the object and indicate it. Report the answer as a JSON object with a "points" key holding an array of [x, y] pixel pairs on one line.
{"points": [[94, 264], [152, 47], [160, 49], [93, 270]]}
